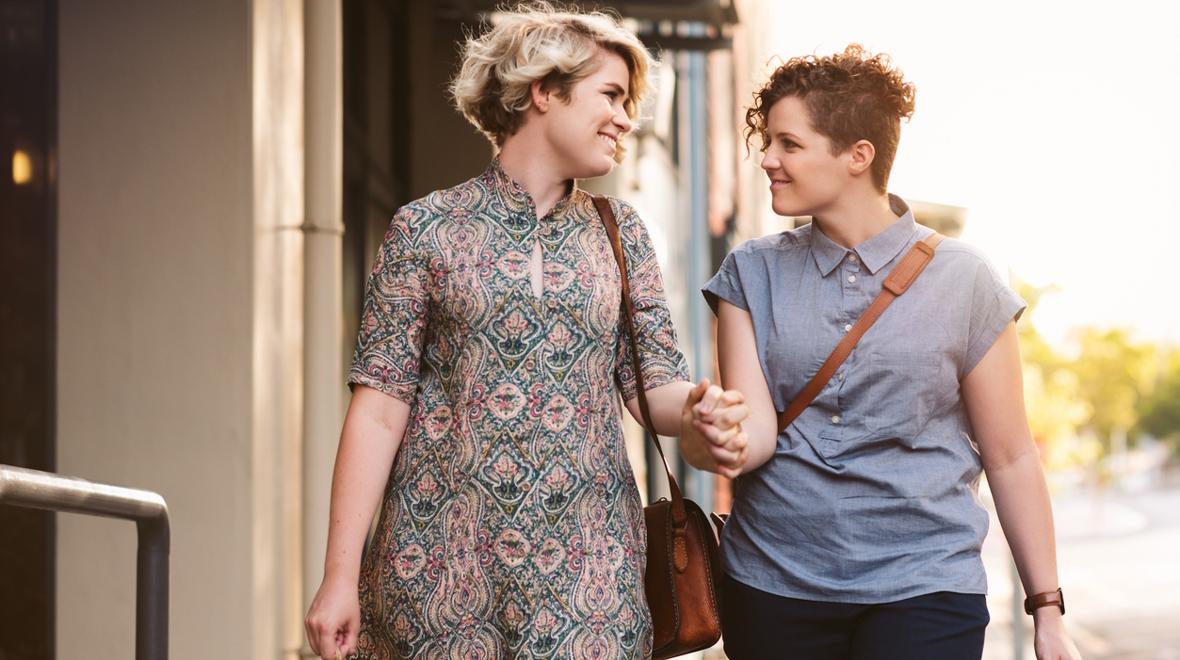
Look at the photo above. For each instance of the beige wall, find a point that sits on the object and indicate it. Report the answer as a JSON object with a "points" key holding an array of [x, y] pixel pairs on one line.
{"points": [[156, 314]]}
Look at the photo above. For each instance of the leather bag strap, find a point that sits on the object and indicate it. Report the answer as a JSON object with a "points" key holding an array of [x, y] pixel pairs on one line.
{"points": [[612, 230], [896, 283]]}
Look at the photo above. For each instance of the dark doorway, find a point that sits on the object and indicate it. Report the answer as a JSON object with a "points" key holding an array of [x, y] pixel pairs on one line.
{"points": [[376, 138], [28, 264]]}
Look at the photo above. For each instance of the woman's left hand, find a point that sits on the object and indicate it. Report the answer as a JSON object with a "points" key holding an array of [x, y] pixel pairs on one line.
{"points": [[1050, 641], [711, 436]]}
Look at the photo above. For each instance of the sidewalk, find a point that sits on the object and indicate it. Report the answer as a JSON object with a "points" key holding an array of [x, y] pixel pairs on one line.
{"points": [[1118, 563]]}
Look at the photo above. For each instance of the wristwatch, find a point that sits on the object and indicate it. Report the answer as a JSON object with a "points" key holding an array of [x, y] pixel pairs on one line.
{"points": [[1037, 601]]}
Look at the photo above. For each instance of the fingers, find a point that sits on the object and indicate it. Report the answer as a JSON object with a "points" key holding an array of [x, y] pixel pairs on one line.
{"points": [[708, 402], [349, 644], [715, 400], [328, 641], [696, 394], [724, 447], [729, 417], [733, 468], [715, 436]]}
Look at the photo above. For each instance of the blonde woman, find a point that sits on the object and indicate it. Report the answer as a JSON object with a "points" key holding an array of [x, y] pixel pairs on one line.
{"points": [[487, 377]]}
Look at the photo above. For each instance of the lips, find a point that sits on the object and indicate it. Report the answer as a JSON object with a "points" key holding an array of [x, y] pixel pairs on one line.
{"points": [[611, 140]]}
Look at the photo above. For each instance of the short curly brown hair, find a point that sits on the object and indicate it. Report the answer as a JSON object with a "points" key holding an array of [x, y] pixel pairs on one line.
{"points": [[852, 96]]}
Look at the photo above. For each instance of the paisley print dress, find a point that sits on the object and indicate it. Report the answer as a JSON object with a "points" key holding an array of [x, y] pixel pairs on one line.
{"points": [[511, 525]]}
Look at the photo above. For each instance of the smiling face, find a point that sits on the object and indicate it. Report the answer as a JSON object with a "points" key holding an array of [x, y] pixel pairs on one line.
{"points": [[585, 130], [805, 177]]}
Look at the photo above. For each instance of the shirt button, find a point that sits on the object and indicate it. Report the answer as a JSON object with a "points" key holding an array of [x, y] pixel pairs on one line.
{"points": [[847, 327], [840, 376], [852, 258], [835, 419], [852, 278]]}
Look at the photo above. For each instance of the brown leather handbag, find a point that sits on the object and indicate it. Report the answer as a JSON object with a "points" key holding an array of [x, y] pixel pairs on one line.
{"points": [[683, 566]]}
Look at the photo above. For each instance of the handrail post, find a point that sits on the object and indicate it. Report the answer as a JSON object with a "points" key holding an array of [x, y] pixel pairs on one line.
{"points": [[45, 490]]}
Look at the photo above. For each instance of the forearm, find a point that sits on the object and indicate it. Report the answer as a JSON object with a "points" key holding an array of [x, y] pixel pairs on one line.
{"points": [[665, 403], [763, 439], [1023, 506], [363, 462]]}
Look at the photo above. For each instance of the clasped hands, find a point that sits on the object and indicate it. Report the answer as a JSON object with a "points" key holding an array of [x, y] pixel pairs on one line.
{"points": [[711, 436]]}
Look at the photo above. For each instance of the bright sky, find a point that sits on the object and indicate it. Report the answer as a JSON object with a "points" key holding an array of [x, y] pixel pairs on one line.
{"points": [[1056, 124]]}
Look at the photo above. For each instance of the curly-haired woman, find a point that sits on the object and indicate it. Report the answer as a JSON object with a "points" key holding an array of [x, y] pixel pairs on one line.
{"points": [[856, 530], [487, 379]]}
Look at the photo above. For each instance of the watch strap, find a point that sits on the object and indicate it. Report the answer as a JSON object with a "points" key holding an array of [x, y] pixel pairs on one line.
{"points": [[1045, 599]]}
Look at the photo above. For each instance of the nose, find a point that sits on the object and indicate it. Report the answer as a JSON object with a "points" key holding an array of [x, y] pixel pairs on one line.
{"points": [[769, 162], [622, 121]]}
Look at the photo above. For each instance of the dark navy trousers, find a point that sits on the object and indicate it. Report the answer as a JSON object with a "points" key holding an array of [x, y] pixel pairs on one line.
{"points": [[936, 626]]}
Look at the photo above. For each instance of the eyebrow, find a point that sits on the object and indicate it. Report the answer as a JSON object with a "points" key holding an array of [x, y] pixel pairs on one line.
{"points": [[618, 88], [786, 134]]}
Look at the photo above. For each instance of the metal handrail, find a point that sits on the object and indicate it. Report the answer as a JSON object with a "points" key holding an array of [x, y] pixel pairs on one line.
{"points": [[46, 490]]}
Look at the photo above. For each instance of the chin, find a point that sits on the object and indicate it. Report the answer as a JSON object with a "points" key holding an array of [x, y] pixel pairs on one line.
{"points": [[597, 170], [786, 210]]}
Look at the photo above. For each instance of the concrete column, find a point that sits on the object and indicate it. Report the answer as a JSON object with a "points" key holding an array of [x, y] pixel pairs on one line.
{"points": [[324, 391], [278, 178]]}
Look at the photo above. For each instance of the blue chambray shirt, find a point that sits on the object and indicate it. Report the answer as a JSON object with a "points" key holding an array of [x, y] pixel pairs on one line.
{"points": [[871, 495]]}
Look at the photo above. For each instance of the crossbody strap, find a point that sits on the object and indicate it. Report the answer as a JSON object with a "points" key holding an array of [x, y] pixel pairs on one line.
{"points": [[896, 283], [612, 230]]}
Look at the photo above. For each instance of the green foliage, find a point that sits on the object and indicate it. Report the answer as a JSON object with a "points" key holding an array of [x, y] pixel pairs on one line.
{"points": [[1159, 412], [1115, 374], [1114, 385]]}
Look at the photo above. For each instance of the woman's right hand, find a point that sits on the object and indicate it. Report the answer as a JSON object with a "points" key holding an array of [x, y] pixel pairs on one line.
{"points": [[334, 619], [711, 436]]}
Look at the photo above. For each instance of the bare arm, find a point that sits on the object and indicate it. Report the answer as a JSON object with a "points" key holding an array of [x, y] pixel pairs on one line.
{"points": [[373, 430], [664, 403], [994, 394], [741, 371]]}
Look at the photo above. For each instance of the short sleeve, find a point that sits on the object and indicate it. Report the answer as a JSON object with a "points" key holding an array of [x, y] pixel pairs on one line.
{"points": [[726, 285], [993, 305], [659, 353], [393, 319]]}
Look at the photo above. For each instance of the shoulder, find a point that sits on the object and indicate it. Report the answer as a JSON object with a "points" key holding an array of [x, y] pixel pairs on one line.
{"points": [[774, 247], [423, 215], [963, 259], [625, 212]]}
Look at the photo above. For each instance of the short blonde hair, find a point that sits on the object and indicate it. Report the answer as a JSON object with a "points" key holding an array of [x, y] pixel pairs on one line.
{"points": [[536, 42]]}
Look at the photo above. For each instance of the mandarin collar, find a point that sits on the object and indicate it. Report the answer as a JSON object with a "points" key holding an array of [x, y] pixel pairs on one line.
{"points": [[873, 253], [516, 198]]}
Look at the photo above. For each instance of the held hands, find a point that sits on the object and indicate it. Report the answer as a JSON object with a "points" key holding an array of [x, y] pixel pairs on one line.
{"points": [[333, 621], [711, 436]]}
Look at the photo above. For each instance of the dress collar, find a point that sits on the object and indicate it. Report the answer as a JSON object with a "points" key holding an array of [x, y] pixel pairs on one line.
{"points": [[516, 198]]}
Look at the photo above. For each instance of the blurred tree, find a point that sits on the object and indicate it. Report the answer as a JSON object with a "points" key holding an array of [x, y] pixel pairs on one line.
{"points": [[1159, 412], [1051, 393], [1115, 376]]}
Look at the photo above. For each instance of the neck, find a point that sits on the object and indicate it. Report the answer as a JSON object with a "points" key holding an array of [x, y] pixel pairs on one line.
{"points": [[854, 219], [536, 171]]}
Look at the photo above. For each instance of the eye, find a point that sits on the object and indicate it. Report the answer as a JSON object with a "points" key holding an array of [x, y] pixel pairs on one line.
{"points": [[611, 94], [788, 144]]}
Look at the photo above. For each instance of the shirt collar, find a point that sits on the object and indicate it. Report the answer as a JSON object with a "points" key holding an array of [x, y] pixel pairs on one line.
{"points": [[516, 198], [873, 253]]}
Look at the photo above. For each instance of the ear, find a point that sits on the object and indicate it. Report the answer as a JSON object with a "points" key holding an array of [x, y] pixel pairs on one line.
{"points": [[540, 96], [860, 157]]}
